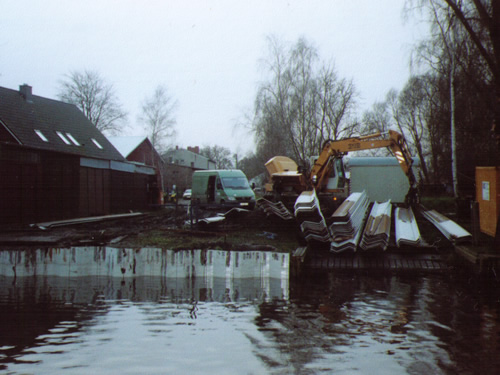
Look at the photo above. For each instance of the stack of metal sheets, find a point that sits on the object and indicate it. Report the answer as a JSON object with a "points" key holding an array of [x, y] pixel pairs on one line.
{"points": [[407, 232], [277, 209], [378, 227], [308, 214], [451, 230], [347, 222]]}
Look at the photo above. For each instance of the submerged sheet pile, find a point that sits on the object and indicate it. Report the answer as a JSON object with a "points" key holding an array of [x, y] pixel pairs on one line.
{"points": [[347, 222], [407, 232], [378, 227], [451, 230], [308, 213]]}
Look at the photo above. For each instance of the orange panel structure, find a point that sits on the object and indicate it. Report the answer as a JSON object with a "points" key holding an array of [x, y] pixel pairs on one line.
{"points": [[488, 197]]}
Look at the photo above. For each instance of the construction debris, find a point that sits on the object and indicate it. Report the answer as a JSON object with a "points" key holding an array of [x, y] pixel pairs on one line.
{"points": [[278, 209], [83, 220]]}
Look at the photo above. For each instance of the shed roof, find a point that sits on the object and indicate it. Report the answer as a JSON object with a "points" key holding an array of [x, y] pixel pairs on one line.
{"points": [[126, 144], [53, 125]]}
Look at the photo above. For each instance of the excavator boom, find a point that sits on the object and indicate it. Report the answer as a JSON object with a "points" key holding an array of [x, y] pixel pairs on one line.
{"points": [[336, 149]]}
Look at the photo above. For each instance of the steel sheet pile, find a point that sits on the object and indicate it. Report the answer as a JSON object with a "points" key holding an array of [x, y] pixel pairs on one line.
{"points": [[451, 230], [407, 232], [378, 227], [308, 213], [277, 209], [347, 222]]}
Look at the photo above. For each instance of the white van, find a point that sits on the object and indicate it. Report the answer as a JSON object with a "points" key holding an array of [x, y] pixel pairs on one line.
{"points": [[222, 187]]}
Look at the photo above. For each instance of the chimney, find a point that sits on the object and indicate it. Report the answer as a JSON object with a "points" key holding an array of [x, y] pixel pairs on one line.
{"points": [[25, 91]]}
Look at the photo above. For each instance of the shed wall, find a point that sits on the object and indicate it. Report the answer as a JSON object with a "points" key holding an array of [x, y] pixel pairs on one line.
{"points": [[37, 186]]}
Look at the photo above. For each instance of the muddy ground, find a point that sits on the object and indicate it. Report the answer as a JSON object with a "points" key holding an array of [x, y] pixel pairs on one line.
{"points": [[168, 227]]}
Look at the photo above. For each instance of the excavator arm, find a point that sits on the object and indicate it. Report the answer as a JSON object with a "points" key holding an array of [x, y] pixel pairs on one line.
{"points": [[337, 149]]}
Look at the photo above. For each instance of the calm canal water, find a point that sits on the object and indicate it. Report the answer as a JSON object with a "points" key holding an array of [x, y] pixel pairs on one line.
{"points": [[150, 311]]}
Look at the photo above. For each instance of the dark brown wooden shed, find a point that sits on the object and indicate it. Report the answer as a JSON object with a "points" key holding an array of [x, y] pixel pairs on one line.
{"points": [[55, 164]]}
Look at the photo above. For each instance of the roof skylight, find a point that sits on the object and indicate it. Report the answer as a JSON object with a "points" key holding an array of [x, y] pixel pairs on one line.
{"points": [[97, 144], [76, 143], [64, 139], [41, 135]]}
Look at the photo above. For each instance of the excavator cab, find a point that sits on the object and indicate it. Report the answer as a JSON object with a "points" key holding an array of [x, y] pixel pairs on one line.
{"points": [[336, 178]]}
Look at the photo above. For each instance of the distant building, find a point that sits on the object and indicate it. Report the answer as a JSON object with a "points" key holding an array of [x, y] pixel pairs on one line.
{"points": [[189, 157], [180, 165], [140, 150], [55, 164]]}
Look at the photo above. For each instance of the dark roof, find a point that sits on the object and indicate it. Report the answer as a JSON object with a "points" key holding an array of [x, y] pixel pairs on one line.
{"points": [[22, 117]]}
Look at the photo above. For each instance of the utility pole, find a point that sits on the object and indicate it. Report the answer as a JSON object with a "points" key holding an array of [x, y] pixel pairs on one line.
{"points": [[453, 132], [235, 156], [452, 112]]}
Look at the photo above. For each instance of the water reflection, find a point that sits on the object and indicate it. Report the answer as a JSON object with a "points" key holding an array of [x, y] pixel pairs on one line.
{"points": [[211, 320]]}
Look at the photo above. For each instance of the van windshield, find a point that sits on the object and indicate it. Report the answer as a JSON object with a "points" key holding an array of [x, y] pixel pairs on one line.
{"points": [[235, 183]]}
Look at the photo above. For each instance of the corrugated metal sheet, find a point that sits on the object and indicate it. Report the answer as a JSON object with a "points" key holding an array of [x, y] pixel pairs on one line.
{"points": [[348, 219], [378, 227], [407, 232], [308, 213], [451, 230]]}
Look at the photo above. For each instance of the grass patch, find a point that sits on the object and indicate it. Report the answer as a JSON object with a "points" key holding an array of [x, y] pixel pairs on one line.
{"points": [[243, 238]]}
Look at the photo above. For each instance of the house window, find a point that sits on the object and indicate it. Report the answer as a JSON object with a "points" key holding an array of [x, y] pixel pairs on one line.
{"points": [[64, 139], [41, 135], [97, 144], [72, 139]]}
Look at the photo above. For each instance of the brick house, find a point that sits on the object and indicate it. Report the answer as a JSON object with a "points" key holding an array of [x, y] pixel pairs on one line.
{"points": [[140, 150]]}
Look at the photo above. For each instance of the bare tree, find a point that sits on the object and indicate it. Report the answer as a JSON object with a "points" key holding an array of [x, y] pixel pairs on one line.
{"points": [[218, 154], [95, 98], [337, 101], [411, 116], [301, 104], [478, 34], [158, 119], [377, 119], [252, 166], [271, 124]]}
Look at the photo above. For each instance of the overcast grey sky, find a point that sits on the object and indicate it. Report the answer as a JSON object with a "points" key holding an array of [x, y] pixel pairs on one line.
{"points": [[205, 52]]}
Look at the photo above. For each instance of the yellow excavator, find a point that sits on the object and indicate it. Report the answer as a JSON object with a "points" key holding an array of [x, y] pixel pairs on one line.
{"points": [[327, 175]]}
